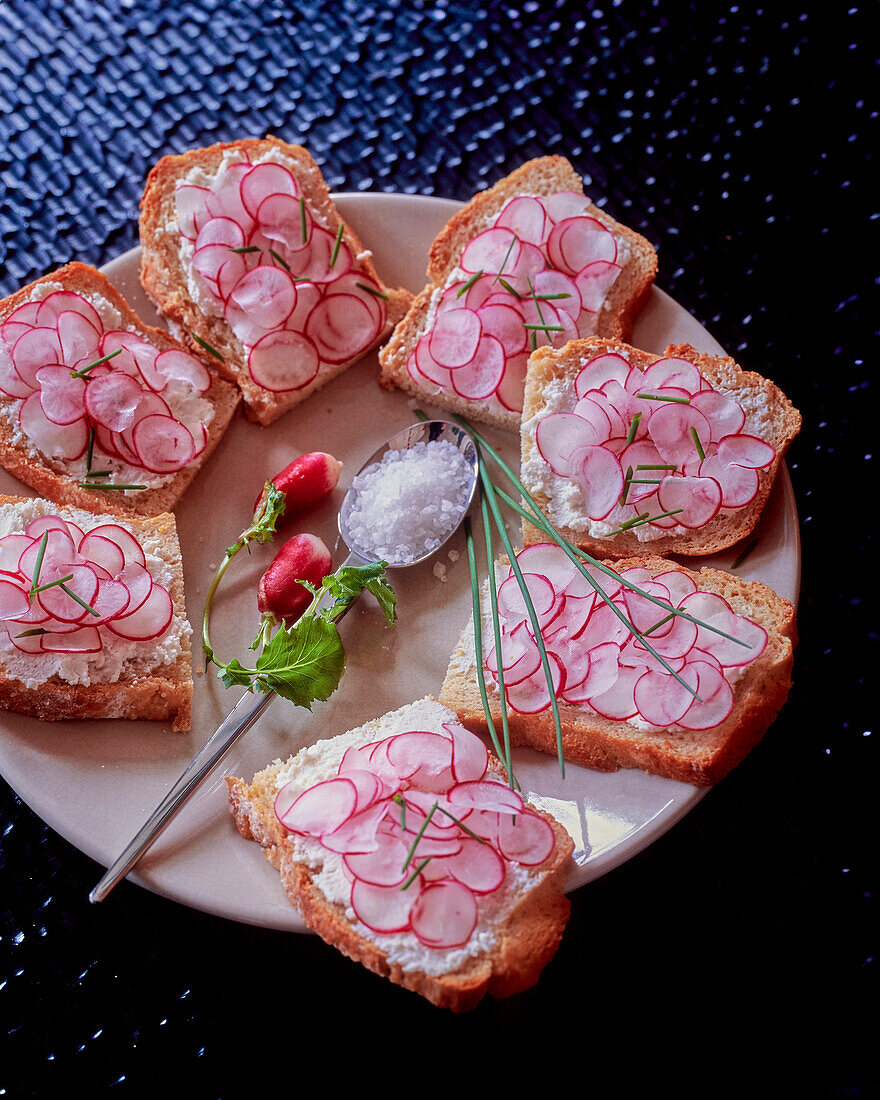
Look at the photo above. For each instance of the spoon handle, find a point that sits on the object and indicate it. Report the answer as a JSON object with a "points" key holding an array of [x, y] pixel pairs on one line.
{"points": [[239, 720]]}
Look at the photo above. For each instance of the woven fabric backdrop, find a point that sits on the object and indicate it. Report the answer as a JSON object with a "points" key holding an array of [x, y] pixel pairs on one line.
{"points": [[740, 140]]}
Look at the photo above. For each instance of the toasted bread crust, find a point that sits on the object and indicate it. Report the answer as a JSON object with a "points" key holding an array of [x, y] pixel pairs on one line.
{"points": [[47, 476], [542, 176], [700, 758], [164, 279], [526, 939], [782, 424], [163, 693]]}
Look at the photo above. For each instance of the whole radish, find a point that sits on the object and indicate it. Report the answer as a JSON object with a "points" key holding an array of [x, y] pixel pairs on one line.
{"points": [[301, 558], [306, 481]]}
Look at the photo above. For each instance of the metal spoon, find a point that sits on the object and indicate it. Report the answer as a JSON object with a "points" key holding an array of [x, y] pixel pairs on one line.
{"points": [[251, 705]]}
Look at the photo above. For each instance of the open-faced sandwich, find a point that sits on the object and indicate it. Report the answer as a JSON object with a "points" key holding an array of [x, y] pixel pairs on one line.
{"points": [[246, 257], [627, 452], [92, 615], [674, 671], [98, 409], [402, 844], [529, 263]]}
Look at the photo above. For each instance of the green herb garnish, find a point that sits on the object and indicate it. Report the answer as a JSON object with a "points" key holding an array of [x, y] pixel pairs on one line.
{"points": [[38, 565], [513, 241], [83, 373], [466, 286], [372, 290], [245, 248], [633, 428], [698, 444], [744, 553], [280, 259], [663, 397], [336, 244], [302, 219], [207, 346], [79, 600]]}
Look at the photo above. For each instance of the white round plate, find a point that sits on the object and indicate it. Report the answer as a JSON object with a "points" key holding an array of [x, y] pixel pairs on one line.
{"points": [[96, 782]]}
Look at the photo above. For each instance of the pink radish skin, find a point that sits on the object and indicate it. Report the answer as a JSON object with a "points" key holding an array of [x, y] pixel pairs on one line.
{"points": [[305, 482], [302, 558]]}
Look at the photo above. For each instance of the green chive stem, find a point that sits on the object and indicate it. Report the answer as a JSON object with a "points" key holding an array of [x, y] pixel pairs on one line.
{"points": [[478, 633], [412, 847], [280, 259], [372, 290], [698, 444], [336, 244], [80, 601], [514, 564], [633, 428], [663, 397], [97, 363], [417, 872], [538, 519], [302, 219], [207, 346], [513, 241], [466, 286], [35, 578], [744, 553], [52, 584]]}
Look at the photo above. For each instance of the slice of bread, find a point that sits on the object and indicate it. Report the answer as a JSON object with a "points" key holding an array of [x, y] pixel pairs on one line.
{"points": [[128, 677], [615, 309], [766, 414], [520, 923], [204, 318], [698, 756], [42, 462]]}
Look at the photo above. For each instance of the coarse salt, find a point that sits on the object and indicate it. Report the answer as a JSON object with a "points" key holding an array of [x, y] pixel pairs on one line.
{"points": [[407, 505]]}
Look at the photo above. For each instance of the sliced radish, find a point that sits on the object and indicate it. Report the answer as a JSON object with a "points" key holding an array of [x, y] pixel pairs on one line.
{"points": [[444, 915], [163, 445], [481, 377], [493, 252], [673, 427], [85, 640], [455, 337], [382, 908], [191, 209], [113, 399], [696, 500], [525, 838], [67, 441], [594, 282], [150, 620], [746, 450], [11, 382], [132, 550], [60, 395], [341, 327], [283, 361], [264, 180], [574, 243], [38, 347], [524, 216], [281, 218], [179, 366]]}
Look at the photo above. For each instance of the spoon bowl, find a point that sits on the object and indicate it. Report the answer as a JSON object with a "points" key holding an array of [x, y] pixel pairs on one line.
{"points": [[424, 432]]}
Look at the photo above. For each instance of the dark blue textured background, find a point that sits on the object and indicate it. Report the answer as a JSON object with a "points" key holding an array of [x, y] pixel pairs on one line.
{"points": [[739, 950]]}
